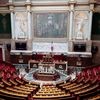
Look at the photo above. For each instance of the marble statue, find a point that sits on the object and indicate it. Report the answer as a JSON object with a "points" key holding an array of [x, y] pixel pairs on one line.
{"points": [[21, 24], [80, 19], [80, 29]]}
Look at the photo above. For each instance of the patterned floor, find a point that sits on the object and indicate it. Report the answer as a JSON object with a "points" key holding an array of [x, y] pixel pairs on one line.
{"points": [[30, 78]]}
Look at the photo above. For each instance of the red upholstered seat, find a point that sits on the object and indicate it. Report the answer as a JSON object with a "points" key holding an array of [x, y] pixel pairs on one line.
{"points": [[12, 70], [1, 67]]}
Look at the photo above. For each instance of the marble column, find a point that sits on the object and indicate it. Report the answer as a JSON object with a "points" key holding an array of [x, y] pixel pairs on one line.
{"points": [[90, 24], [72, 3], [29, 25], [12, 25], [71, 25], [28, 7], [3, 53]]}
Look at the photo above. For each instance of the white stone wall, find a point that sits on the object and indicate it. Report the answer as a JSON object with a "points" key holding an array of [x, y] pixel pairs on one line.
{"points": [[79, 20]]}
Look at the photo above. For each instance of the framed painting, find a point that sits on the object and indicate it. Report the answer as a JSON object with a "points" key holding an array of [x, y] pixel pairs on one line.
{"points": [[50, 25]]}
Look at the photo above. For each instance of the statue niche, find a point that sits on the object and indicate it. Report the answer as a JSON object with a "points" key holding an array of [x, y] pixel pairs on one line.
{"points": [[21, 24], [80, 22]]}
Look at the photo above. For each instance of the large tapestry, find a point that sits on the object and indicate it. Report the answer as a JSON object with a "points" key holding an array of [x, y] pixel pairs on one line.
{"points": [[50, 25]]}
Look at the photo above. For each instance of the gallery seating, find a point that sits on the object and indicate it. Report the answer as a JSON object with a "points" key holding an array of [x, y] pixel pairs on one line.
{"points": [[85, 86], [50, 92], [86, 83], [12, 87]]}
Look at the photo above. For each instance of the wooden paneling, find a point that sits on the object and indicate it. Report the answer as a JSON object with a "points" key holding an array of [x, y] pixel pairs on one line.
{"points": [[72, 61], [15, 58]]}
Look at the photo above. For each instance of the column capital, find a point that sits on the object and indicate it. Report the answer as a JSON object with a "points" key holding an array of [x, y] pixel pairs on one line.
{"points": [[11, 8], [72, 2], [91, 7], [28, 6], [71, 7]]}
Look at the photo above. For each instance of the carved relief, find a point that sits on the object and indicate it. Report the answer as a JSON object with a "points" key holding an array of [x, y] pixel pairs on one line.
{"points": [[21, 24], [81, 24]]}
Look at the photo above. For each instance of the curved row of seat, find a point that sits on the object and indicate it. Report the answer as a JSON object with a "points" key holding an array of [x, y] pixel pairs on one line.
{"points": [[51, 92], [85, 86], [12, 87]]}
